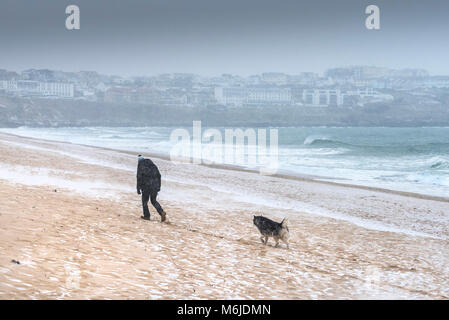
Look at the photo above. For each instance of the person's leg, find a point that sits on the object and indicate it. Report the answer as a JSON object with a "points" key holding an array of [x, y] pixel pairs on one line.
{"points": [[157, 206], [146, 211]]}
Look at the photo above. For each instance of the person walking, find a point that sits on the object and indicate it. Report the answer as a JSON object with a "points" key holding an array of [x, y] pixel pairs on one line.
{"points": [[148, 185]]}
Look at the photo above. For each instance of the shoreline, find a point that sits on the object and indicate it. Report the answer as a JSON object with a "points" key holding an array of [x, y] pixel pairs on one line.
{"points": [[285, 175], [316, 210]]}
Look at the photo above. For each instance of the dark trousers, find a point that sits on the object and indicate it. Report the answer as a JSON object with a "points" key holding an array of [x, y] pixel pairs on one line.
{"points": [[150, 196]]}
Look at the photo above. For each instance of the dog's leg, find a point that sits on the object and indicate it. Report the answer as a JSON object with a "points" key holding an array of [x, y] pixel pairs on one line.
{"points": [[266, 240], [277, 242], [261, 239]]}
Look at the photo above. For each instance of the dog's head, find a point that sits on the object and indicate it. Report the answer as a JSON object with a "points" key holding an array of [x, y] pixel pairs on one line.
{"points": [[257, 220]]}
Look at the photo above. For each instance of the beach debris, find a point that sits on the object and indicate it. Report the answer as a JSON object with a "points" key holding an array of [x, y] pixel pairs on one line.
{"points": [[55, 190], [15, 261]]}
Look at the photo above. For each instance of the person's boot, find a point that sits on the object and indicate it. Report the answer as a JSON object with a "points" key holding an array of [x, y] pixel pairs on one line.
{"points": [[145, 217], [163, 216]]}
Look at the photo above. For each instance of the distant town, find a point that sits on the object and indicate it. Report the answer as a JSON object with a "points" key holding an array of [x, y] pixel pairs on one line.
{"points": [[345, 96], [345, 86]]}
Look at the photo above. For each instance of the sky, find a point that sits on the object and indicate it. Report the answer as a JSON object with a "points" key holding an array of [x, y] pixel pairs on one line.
{"points": [[211, 37]]}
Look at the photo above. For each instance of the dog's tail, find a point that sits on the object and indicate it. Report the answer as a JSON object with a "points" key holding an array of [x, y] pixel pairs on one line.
{"points": [[284, 223]]}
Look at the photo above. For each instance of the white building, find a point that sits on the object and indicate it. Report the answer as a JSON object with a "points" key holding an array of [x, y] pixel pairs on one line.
{"points": [[317, 97], [337, 97], [239, 96], [63, 90], [8, 85], [37, 88]]}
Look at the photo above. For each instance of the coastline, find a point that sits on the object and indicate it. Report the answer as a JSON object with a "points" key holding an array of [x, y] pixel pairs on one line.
{"points": [[70, 214], [283, 175]]}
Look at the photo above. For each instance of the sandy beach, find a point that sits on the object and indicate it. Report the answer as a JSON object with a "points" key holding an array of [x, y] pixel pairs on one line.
{"points": [[71, 229]]}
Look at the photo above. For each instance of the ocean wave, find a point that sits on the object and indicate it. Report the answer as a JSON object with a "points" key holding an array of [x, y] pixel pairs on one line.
{"points": [[365, 149], [321, 141], [152, 133], [428, 179], [311, 140], [111, 136], [440, 165], [294, 153]]}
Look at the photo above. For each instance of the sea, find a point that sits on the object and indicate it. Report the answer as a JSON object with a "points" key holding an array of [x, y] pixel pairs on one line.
{"points": [[402, 159]]}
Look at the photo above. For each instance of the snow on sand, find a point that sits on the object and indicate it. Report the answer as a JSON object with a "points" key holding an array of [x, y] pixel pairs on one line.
{"points": [[69, 215]]}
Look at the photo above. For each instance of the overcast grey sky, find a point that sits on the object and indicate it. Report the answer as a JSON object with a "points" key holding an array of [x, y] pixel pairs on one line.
{"points": [[209, 37]]}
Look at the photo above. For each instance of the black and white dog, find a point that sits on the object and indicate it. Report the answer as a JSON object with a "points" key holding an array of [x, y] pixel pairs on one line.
{"points": [[269, 228]]}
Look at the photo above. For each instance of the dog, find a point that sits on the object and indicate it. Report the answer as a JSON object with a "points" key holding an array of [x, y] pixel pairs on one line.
{"points": [[269, 228]]}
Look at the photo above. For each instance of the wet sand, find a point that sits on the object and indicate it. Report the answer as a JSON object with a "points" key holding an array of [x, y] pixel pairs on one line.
{"points": [[71, 216]]}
